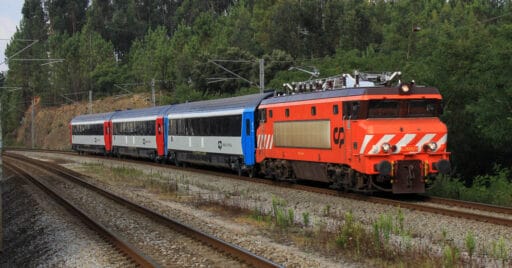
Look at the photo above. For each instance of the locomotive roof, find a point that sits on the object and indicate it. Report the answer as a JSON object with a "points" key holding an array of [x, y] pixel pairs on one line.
{"points": [[347, 92], [145, 113], [228, 105], [92, 118]]}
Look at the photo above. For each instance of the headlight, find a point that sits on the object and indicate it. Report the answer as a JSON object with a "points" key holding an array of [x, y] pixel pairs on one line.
{"points": [[386, 147], [406, 88], [431, 146]]}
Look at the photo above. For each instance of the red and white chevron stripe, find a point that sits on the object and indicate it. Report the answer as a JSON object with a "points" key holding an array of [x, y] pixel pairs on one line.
{"points": [[265, 141], [405, 143]]}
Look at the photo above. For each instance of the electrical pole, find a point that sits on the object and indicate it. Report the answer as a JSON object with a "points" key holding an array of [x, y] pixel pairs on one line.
{"points": [[262, 76], [153, 91], [90, 101], [1, 181], [32, 122]]}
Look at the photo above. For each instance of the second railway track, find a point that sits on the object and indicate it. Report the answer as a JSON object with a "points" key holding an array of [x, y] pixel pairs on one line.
{"points": [[448, 207], [235, 255]]}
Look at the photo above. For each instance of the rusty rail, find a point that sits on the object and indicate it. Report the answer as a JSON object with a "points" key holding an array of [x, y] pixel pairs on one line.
{"points": [[130, 251], [234, 250], [379, 200]]}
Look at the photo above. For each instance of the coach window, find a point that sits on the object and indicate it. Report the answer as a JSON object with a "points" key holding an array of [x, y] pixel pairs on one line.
{"points": [[313, 110], [335, 109], [270, 113], [287, 112]]}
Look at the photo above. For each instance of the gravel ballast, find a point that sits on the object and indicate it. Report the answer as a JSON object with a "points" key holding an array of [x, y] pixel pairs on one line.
{"points": [[428, 231]]}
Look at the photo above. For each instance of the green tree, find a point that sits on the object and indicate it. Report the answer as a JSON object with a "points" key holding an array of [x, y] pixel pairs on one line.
{"points": [[66, 16], [25, 69], [150, 58]]}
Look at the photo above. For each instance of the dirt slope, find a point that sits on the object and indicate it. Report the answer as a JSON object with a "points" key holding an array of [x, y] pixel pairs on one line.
{"points": [[51, 129]]}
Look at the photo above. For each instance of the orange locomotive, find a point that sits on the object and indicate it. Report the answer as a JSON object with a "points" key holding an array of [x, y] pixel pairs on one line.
{"points": [[355, 134]]}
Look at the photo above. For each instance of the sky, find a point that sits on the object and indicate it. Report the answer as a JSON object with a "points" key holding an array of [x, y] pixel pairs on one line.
{"points": [[10, 17]]}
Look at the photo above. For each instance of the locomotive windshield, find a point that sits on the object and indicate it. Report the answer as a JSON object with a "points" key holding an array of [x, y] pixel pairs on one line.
{"points": [[403, 108]]}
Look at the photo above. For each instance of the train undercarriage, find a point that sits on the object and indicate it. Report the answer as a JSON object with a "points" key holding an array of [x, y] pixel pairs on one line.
{"points": [[404, 176]]}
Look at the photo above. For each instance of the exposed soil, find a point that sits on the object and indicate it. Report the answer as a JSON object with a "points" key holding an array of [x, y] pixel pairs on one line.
{"points": [[51, 129]]}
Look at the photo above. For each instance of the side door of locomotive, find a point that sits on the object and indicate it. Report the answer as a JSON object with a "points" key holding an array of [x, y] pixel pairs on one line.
{"points": [[349, 117]]}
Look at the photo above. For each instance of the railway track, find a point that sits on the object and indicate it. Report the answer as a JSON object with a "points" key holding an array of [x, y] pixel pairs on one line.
{"points": [[220, 246], [132, 254], [436, 205]]}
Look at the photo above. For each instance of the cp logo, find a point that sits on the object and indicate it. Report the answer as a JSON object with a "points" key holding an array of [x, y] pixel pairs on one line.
{"points": [[219, 144], [339, 136]]}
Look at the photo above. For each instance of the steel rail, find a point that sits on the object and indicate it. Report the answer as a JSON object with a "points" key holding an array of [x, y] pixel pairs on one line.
{"points": [[232, 249], [377, 200], [130, 251], [468, 204]]}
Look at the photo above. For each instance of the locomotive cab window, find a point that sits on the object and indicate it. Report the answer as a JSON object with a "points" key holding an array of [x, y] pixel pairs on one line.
{"points": [[403, 108], [335, 109], [351, 110], [270, 113], [383, 108], [423, 108], [262, 113]]}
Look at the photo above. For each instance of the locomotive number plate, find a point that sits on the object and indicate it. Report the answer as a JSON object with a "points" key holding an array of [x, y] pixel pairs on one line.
{"points": [[409, 149]]}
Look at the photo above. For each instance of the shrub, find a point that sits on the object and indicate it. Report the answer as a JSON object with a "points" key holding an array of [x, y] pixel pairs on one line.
{"points": [[495, 188], [351, 234], [470, 244], [500, 250], [450, 256], [305, 218]]}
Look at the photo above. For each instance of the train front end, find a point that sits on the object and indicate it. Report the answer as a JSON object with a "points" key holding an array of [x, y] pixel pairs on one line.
{"points": [[397, 138]]}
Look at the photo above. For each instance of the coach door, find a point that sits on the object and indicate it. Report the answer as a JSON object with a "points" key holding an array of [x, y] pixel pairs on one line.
{"points": [[248, 137], [160, 136], [107, 135]]}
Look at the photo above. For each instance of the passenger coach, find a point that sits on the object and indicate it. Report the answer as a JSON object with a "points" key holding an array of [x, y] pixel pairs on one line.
{"points": [[217, 132], [140, 133], [92, 133]]}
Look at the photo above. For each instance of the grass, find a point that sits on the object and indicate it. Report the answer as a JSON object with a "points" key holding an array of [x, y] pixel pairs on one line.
{"points": [[385, 243], [495, 188]]}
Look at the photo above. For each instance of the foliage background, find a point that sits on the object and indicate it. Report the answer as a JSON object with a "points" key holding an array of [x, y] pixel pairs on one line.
{"points": [[464, 48]]}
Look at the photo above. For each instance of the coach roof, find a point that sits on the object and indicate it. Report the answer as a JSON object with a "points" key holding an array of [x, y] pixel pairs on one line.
{"points": [[218, 105], [92, 118], [141, 114]]}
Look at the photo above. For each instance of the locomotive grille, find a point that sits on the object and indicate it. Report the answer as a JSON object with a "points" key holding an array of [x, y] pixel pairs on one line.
{"points": [[408, 177]]}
